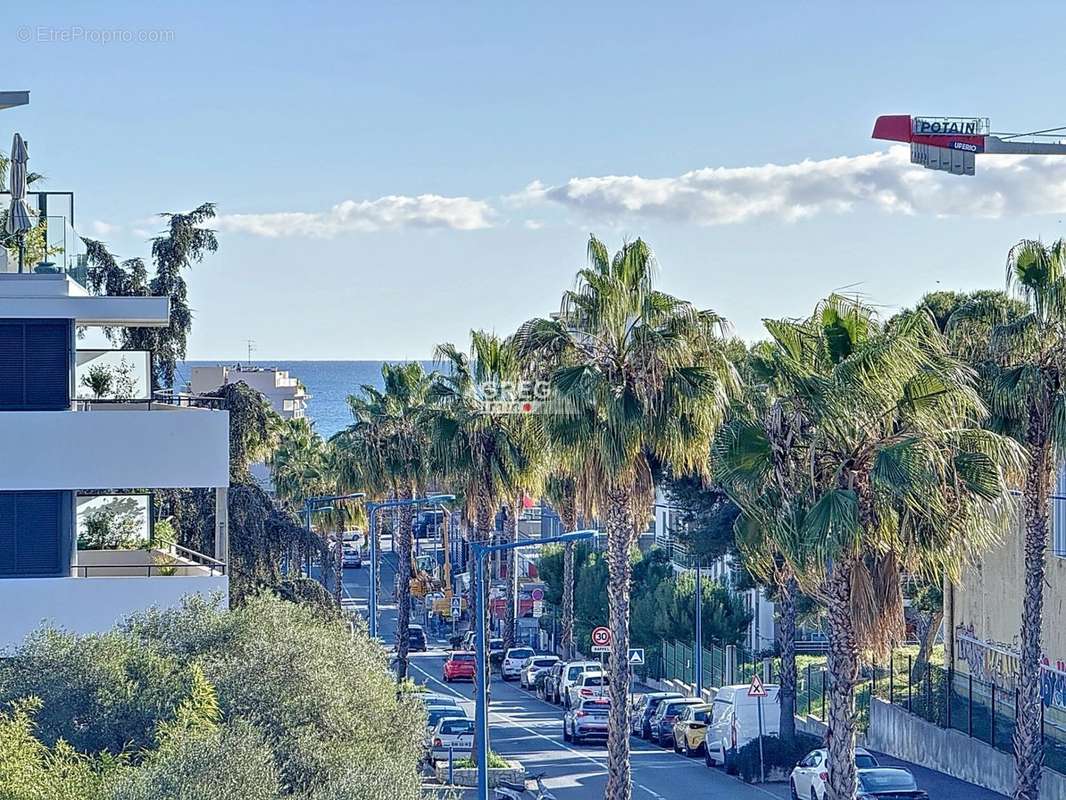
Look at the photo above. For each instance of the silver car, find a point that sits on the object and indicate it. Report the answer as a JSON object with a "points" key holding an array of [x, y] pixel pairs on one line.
{"points": [[587, 720]]}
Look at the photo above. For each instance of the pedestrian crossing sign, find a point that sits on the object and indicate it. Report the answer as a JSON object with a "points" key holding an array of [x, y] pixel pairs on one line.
{"points": [[636, 656]]}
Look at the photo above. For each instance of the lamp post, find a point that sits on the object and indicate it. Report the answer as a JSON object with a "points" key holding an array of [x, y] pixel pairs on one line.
{"points": [[481, 715], [371, 510], [699, 631]]}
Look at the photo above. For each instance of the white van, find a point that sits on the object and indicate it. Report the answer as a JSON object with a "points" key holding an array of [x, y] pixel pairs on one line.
{"points": [[735, 722]]}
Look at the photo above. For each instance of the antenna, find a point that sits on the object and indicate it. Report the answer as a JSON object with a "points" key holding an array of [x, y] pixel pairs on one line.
{"points": [[251, 347]]}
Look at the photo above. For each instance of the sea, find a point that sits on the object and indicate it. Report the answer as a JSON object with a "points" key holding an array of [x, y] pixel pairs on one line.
{"points": [[328, 382]]}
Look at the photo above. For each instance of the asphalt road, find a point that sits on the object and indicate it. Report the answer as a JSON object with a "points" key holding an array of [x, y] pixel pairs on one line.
{"points": [[526, 728]]}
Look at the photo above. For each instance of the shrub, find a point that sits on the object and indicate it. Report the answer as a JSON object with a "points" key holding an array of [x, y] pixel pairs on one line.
{"points": [[775, 754], [496, 761]]}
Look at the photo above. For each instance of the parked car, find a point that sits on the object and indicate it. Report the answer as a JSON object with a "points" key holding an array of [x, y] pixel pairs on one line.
{"points": [[427, 523], [533, 666], [690, 729], [432, 700], [662, 724], [459, 666], [416, 639], [735, 722], [590, 684], [644, 707], [513, 660], [549, 689], [573, 672], [889, 783], [495, 645], [352, 555], [435, 715], [809, 776], [451, 733], [587, 720]]}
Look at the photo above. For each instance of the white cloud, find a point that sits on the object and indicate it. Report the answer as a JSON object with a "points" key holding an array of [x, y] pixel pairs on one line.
{"points": [[101, 228], [363, 216], [533, 224], [1004, 185]]}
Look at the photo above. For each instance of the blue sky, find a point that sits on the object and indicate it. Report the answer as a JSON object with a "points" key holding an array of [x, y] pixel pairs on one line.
{"points": [[390, 175]]}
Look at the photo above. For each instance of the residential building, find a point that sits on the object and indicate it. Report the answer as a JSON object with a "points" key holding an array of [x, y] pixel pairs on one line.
{"points": [[69, 463], [286, 394], [982, 615], [761, 634]]}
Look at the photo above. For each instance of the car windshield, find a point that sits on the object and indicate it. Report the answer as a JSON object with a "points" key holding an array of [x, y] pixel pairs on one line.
{"points": [[463, 657], [543, 662], [881, 780], [441, 701], [573, 672], [699, 716], [596, 709], [437, 714], [521, 653], [593, 680], [863, 761]]}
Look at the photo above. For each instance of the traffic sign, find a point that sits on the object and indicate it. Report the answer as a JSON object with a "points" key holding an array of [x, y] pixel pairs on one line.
{"points": [[537, 594], [756, 689], [601, 648], [457, 606], [538, 608], [636, 656], [601, 637]]}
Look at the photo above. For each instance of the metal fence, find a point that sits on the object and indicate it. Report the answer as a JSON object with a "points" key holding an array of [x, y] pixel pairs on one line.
{"points": [[950, 699]]}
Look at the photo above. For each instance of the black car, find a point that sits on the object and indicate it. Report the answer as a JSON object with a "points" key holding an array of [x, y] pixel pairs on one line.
{"points": [[427, 524], [648, 704], [416, 639]]}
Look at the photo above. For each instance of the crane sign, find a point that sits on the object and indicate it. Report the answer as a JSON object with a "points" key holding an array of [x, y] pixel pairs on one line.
{"points": [[951, 144]]}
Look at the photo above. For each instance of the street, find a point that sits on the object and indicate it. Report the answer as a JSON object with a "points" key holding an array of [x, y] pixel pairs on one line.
{"points": [[524, 727]]}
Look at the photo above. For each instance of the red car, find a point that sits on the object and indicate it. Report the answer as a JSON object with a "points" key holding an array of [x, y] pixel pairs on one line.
{"points": [[459, 665]]}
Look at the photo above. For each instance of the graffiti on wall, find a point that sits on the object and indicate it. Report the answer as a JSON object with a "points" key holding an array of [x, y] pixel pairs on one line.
{"points": [[997, 662]]}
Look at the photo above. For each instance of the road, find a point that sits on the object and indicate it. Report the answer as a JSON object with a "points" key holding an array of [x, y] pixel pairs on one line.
{"points": [[525, 727]]}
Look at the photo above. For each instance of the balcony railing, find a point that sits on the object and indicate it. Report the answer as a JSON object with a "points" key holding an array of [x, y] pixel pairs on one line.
{"points": [[173, 561], [113, 375], [162, 400]]}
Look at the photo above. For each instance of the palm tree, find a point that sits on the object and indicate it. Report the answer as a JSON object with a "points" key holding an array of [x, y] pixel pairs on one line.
{"points": [[560, 489], [1028, 395], [640, 376], [484, 453], [386, 448], [897, 477], [302, 465]]}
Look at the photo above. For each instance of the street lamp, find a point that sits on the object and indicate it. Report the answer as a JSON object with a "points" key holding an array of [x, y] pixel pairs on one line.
{"points": [[324, 503], [371, 510], [481, 717]]}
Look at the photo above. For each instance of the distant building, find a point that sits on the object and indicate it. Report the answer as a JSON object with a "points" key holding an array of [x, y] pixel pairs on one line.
{"points": [[84, 446], [286, 394], [982, 615], [761, 634]]}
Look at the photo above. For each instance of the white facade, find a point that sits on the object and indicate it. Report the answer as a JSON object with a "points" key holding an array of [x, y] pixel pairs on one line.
{"points": [[57, 448], [286, 394]]}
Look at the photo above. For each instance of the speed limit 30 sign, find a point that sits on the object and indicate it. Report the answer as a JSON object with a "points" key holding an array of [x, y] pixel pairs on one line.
{"points": [[601, 640]]}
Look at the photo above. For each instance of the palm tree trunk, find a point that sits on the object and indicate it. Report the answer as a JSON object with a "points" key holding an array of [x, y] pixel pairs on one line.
{"points": [[1028, 739], [620, 532], [568, 519], [402, 537], [512, 579], [787, 680], [843, 671], [482, 532]]}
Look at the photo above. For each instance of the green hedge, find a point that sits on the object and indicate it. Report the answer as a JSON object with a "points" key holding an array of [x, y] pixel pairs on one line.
{"points": [[775, 754]]}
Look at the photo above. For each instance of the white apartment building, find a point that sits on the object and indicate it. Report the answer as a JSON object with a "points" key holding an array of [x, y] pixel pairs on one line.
{"points": [[762, 629], [286, 394], [68, 449]]}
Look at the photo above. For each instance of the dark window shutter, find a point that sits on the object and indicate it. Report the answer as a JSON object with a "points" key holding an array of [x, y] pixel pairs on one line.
{"points": [[35, 365], [31, 533], [7, 533], [12, 365]]}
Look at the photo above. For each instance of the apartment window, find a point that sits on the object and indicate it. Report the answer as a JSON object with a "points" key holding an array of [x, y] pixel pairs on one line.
{"points": [[35, 365], [34, 534], [1058, 515]]}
